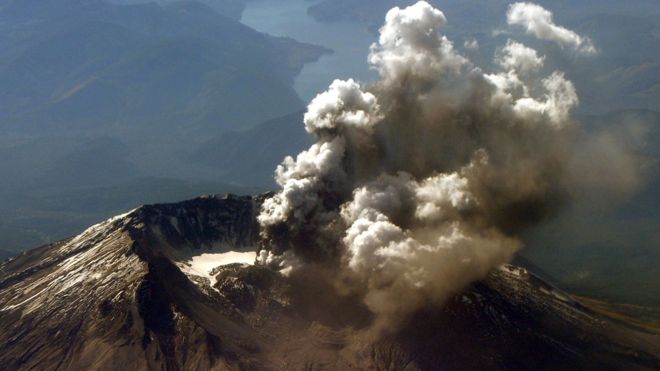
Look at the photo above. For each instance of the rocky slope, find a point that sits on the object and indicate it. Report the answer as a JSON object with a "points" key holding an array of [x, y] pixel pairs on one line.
{"points": [[144, 290]]}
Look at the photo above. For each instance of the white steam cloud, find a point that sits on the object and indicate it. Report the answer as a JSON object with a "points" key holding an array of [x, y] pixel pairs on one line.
{"points": [[471, 44], [538, 21], [423, 182]]}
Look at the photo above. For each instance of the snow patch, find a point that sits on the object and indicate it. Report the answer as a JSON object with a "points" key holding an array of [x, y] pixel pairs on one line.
{"points": [[202, 265]]}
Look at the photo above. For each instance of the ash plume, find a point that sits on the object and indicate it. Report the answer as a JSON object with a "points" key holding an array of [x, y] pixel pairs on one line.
{"points": [[423, 182]]}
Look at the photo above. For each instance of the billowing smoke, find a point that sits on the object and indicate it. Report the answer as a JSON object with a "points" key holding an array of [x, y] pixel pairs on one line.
{"points": [[538, 21], [423, 182]]}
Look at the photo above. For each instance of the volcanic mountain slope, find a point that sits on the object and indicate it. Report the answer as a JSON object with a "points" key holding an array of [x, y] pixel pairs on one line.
{"points": [[129, 293]]}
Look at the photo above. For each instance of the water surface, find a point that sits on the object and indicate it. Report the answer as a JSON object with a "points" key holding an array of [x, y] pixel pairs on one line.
{"points": [[349, 41]]}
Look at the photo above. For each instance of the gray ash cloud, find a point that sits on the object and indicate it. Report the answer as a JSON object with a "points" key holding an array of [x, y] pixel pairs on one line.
{"points": [[424, 181]]}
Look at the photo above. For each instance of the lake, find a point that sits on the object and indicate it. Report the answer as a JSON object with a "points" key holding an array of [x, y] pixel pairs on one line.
{"points": [[349, 41]]}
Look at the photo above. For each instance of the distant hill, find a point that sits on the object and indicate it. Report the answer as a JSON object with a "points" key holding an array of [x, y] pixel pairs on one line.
{"points": [[97, 97], [230, 8], [250, 157], [97, 66]]}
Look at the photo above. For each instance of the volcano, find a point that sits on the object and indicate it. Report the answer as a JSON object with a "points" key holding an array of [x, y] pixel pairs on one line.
{"points": [[171, 287]]}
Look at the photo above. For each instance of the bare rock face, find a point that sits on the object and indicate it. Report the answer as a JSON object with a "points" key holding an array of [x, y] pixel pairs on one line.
{"points": [[128, 293]]}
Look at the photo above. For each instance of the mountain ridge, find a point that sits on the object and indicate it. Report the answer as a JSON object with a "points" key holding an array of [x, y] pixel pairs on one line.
{"points": [[120, 295]]}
